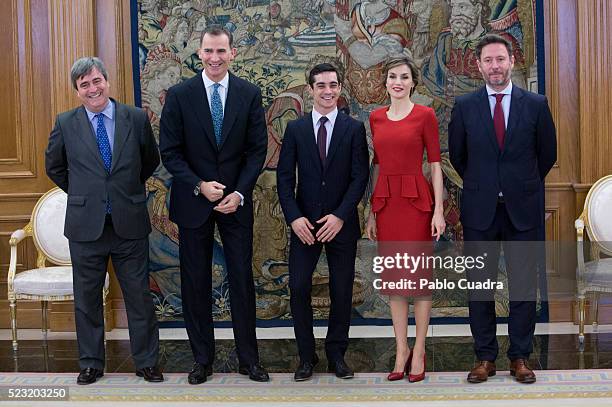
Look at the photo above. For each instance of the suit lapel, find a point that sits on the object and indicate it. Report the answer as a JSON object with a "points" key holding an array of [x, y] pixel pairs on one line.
{"points": [[311, 140], [515, 113], [84, 128], [337, 134], [201, 108], [122, 131], [485, 114], [232, 107]]}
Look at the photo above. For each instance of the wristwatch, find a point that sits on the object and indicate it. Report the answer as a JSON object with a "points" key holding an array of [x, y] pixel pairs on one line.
{"points": [[196, 189]]}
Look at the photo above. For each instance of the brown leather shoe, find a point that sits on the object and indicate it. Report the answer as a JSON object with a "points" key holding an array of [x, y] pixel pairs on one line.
{"points": [[522, 372], [483, 370]]}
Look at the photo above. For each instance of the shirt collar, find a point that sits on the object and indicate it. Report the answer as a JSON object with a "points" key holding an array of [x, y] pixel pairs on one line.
{"points": [[208, 82], [109, 111], [331, 116], [507, 90]]}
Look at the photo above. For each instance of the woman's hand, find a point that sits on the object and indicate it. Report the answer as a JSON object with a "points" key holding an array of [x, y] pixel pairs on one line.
{"points": [[371, 227], [438, 225]]}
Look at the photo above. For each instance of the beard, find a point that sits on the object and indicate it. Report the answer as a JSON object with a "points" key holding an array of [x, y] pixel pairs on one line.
{"points": [[503, 79], [462, 25]]}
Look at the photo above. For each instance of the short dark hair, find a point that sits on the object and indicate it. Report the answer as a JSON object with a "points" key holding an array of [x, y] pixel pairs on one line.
{"points": [[492, 39], [319, 69], [84, 66], [398, 61], [217, 29]]}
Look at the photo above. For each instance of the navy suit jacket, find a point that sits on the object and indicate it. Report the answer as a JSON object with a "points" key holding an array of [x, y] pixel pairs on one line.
{"points": [[190, 153], [517, 171], [335, 188]]}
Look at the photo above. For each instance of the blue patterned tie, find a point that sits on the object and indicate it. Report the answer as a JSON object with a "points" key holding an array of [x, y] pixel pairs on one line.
{"points": [[105, 149], [216, 108]]}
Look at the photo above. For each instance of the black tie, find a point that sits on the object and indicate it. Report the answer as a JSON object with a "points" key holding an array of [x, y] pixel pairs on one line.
{"points": [[322, 139]]}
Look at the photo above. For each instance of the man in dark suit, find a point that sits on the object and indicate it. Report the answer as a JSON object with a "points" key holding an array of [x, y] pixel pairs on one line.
{"points": [[101, 154], [213, 141], [329, 150], [502, 143]]}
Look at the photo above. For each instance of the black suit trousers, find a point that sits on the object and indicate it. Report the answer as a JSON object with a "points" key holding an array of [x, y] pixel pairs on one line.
{"points": [[521, 250], [196, 256], [302, 263], [130, 262]]}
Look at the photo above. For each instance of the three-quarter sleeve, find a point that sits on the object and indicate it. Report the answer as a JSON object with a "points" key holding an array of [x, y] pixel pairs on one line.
{"points": [[431, 137], [375, 159]]}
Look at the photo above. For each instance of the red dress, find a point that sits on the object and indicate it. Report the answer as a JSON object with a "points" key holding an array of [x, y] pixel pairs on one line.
{"points": [[403, 198]]}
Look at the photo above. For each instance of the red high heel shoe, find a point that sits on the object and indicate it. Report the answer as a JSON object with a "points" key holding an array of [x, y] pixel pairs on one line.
{"points": [[393, 376], [413, 378]]}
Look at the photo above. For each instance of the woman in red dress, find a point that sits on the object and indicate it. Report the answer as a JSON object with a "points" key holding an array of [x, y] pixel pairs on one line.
{"points": [[406, 212]]}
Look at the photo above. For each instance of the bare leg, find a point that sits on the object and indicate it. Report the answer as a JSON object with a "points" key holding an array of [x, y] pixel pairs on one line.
{"points": [[399, 315], [422, 312]]}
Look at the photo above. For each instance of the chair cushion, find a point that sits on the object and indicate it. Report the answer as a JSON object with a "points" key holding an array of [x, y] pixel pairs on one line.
{"points": [[46, 281], [599, 274]]}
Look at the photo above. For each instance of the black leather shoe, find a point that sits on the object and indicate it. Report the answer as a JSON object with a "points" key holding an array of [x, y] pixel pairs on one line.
{"points": [[305, 368], [255, 372], [150, 374], [89, 375], [199, 373], [341, 369]]}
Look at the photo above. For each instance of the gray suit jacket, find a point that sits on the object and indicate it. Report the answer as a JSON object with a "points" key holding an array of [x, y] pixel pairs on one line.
{"points": [[74, 163]]}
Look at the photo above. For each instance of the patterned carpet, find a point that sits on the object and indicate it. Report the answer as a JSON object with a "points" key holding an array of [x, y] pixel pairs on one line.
{"points": [[365, 388]]}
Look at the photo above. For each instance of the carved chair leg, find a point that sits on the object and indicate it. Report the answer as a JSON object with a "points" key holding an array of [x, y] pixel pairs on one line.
{"points": [[13, 307], [595, 312], [44, 306], [581, 321], [104, 315]]}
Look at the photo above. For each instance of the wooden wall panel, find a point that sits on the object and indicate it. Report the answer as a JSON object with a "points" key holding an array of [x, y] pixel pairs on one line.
{"points": [[17, 153], [578, 79], [562, 92], [560, 62], [72, 35], [8, 114], [115, 46], [594, 19], [40, 39]]}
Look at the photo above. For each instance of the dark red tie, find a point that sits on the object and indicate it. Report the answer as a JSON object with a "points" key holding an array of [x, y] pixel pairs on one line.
{"points": [[498, 120], [322, 139]]}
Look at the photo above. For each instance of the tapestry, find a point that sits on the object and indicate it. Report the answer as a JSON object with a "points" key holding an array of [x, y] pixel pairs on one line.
{"points": [[278, 42]]}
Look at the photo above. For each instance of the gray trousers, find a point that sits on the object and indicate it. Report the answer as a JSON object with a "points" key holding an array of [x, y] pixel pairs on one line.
{"points": [[130, 262]]}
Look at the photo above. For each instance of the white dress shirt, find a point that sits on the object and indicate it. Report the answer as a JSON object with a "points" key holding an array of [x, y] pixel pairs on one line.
{"points": [[329, 124], [108, 117], [208, 84], [505, 101]]}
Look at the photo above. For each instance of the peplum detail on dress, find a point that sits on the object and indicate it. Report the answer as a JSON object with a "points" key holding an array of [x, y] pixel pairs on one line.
{"points": [[414, 188]]}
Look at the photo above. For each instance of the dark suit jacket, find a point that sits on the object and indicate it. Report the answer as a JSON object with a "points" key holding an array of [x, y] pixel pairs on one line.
{"points": [[190, 153], [530, 150], [74, 163], [336, 188]]}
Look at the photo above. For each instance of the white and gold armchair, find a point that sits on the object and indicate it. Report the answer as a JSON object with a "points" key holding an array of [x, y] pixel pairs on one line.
{"points": [[594, 276], [43, 283]]}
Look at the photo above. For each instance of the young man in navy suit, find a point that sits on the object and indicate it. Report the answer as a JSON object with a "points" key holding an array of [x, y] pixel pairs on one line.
{"points": [[213, 141], [502, 143], [329, 150]]}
